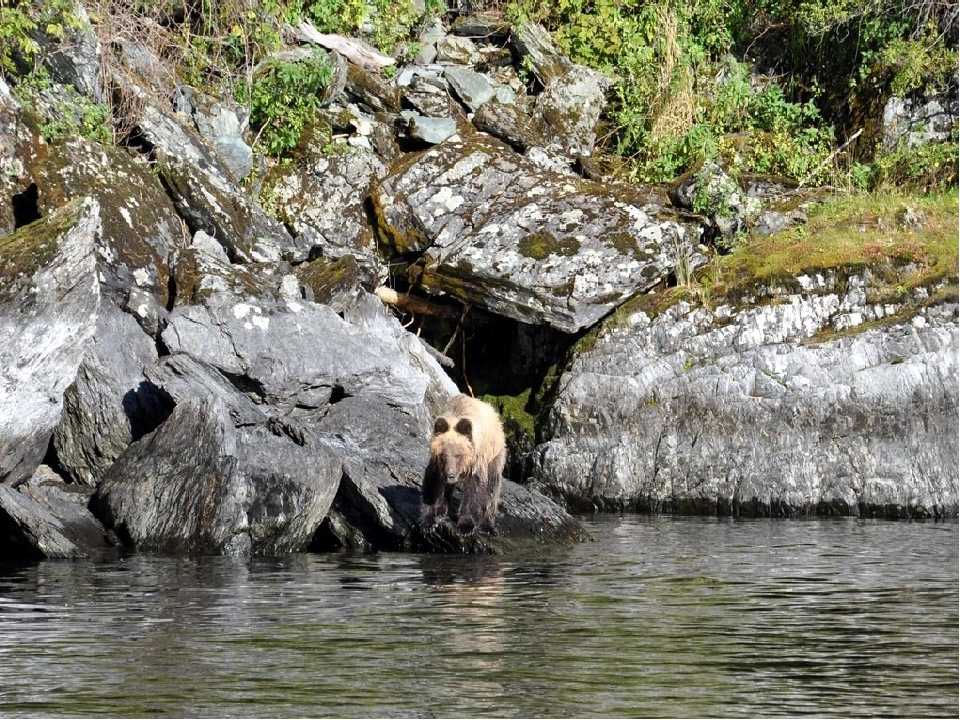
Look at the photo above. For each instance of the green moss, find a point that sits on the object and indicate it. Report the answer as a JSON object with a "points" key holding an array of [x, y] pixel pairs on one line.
{"points": [[625, 244], [33, 246], [541, 245], [327, 277], [849, 234], [514, 409]]}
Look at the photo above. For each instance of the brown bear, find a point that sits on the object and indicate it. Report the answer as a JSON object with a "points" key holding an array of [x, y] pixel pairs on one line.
{"points": [[467, 450]]}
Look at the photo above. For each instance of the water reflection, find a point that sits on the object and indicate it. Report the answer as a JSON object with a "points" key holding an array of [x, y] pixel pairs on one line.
{"points": [[658, 616]]}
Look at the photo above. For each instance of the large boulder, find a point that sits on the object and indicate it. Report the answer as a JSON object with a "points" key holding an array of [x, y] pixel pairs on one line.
{"points": [[817, 396], [139, 226], [49, 298], [530, 244], [71, 367], [202, 484]]}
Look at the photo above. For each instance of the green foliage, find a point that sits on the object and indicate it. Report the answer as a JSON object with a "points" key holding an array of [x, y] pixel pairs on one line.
{"points": [[925, 168], [283, 98], [336, 16], [681, 98], [62, 111], [22, 20]]}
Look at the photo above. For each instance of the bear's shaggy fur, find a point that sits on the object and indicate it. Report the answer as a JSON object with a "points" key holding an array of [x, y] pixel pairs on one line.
{"points": [[467, 449]]}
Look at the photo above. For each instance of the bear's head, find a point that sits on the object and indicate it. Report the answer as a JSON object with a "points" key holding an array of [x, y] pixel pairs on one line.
{"points": [[452, 450]]}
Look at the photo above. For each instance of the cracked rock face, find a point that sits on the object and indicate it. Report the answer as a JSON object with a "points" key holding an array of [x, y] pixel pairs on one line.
{"points": [[321, 199], [202, 484], [71, 364], [526, 243], [770, 409]]}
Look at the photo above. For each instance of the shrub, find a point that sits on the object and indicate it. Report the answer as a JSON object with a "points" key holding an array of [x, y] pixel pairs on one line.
{"points": [[283, 98]]}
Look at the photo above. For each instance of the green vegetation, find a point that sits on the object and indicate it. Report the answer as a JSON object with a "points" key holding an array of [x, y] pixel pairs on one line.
{"points": [[67, 113], [907, 241], [20, 21], [853, 231], [283, 98], [682, 97]]}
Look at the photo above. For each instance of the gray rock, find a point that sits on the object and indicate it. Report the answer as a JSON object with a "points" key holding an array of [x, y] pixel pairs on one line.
{"points": [[320, 197], [334, 283], [43, 518], [139, 226], [773, 407], [486, 26], [295, 356], [430, 130], [73, 58], [429, 99], [107, 405], [472, 88], [73, 364], [534, 46], [429, 72], [774, 221], [712, 191], [917, 122], [457, 50], [49, 299], [568, 109], [371, 90], [207, 202], [531, 245], [221, 128], [200, 484], [509, 123], [428, 39]]}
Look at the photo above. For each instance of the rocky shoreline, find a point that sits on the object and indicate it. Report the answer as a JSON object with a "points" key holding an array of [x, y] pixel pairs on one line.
{"points": [[197, 357]]}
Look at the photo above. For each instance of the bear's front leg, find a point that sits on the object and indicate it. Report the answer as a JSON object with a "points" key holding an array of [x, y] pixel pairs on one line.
{"points": [[473, 505], [434, 496]]}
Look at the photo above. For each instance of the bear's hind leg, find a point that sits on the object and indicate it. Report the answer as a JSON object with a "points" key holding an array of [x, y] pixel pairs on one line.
{"points": [[494, 485]]}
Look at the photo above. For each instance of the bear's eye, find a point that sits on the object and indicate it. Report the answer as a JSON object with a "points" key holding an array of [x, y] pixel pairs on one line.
{"points": [[441, 426], [464, 427]]}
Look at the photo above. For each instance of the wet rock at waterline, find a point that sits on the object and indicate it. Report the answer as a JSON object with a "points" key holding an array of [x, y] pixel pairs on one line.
{"points": [[378, 503], [202, 484], [785, 406], [528, 244], [45, 518]]}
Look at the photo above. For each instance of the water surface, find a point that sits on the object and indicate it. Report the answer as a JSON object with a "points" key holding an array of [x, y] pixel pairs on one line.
{"points": [[659, 616]]}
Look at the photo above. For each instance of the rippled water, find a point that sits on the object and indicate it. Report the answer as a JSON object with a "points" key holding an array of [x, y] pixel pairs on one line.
{"points": [[659, 616]]}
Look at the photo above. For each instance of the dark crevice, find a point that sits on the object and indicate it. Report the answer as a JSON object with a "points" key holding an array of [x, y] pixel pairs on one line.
{"points": [[26, 206], [337, 394], [244, 383], [146, 407], [52, 461], [172, 285]]}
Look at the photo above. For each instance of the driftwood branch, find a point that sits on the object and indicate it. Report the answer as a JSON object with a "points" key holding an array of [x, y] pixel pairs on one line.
{"points": [[356, 51], [414, 304], [830, 158]]}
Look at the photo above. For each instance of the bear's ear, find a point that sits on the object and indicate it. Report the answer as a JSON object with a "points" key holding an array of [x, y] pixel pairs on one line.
{"points": [[465, 427], [440, 426]]}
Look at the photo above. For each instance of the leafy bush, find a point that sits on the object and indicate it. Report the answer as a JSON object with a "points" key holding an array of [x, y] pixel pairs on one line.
{"points": [[283, 98], [925, 168], [20, 21], [681, 98]]}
